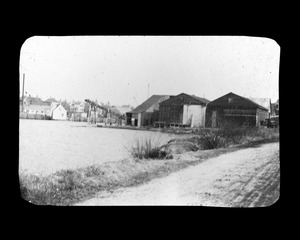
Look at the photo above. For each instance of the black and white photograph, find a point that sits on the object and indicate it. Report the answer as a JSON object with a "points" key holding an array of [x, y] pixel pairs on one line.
{"points": [[143, 120]]}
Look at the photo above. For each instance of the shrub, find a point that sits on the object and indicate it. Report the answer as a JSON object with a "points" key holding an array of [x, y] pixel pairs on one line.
{"points": [[231, 134], [147, 148], [36, 189], [227, 134], [212, 140]]}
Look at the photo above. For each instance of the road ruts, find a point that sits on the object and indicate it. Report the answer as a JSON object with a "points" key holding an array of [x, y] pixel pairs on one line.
{"points": [[245, 178]]}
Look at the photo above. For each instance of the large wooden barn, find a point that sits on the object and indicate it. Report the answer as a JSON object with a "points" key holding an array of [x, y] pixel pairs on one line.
{"points": [[146, 113], [183, 109], [232, 108]]}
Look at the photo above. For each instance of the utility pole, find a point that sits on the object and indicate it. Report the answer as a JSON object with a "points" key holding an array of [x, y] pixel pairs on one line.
{"points": [[23, 93]]}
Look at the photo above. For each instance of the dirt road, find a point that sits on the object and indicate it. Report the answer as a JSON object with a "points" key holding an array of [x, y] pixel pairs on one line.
{"points": [[245, 178]]}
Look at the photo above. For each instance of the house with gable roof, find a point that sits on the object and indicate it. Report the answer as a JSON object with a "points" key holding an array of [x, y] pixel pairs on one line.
{"points": [[59, 112], [235, 109], [183, 110], [146, 113]]}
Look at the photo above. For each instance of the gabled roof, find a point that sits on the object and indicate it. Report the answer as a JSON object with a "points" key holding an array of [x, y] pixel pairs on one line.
{"points": [[204, 100], [57, 107], [243, 98], [51, 100], [258, 105], [154, 99], [265, 102], [184, 98], [34, 100]]}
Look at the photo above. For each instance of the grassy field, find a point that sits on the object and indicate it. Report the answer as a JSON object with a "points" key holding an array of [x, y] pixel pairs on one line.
{"points": [[148, 161]]}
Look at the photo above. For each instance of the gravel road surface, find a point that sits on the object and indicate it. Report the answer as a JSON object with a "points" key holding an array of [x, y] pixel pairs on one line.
{"points": [[245, 178]]}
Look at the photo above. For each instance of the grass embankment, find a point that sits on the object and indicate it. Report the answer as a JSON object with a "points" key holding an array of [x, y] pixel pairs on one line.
{"points": [[67, 187]]}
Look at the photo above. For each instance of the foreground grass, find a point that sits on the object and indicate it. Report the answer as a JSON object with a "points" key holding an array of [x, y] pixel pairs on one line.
{"points": [[67, 187]]}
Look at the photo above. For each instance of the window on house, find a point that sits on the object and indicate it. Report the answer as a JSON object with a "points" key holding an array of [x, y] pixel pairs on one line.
{"points": [[230, 100]]}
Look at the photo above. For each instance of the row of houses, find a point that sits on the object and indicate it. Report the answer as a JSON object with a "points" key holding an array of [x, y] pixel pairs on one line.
{"points": [[35, 108], [192, 111]]}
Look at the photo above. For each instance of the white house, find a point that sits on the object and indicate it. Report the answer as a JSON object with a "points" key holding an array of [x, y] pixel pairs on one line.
{"points": [[77, 107], [59, 113]]}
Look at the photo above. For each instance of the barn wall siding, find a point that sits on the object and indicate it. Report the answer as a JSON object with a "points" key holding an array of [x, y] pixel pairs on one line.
{"points": [[171, 113], [232, 108]]}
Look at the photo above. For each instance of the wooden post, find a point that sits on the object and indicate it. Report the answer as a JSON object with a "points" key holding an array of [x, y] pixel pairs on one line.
{"points": [[89, 113]]}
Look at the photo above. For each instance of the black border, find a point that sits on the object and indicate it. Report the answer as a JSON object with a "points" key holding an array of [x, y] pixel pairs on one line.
{"points": [[164, 29]]}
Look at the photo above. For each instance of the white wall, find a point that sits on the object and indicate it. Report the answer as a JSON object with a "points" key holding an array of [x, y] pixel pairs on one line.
{"points": [[59, 113], [194, 114], [139, 119]]}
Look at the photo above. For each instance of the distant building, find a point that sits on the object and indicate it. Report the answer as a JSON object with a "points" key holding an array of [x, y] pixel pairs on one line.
{"points": [[146, 113], [277, 107], [59, 113], [183, 109], [50, 101], [232, 108], [28, 100], [77, 107], [122, 110], [38, 109]]}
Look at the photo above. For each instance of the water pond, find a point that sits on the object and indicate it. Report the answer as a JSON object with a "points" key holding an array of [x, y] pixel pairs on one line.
{"points": [[49, 146]]}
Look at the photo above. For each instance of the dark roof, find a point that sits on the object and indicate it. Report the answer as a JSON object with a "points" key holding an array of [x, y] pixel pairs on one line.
{"points": [[243, 98], [51, 100], [34, 100], [148, 103], [204, 100], [264, 102], [184, 98], [259, 106]]}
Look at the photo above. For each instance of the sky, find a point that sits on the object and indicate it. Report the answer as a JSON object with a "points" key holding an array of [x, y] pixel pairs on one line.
{"points": [[127, 69]]}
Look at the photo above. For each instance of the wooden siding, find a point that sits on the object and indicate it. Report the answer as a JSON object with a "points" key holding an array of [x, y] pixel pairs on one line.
{"points": [[175, 110], [171, 113], [234, 109]]}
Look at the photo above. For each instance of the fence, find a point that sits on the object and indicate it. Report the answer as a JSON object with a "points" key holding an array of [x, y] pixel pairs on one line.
{"points": [[24, 115]]}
